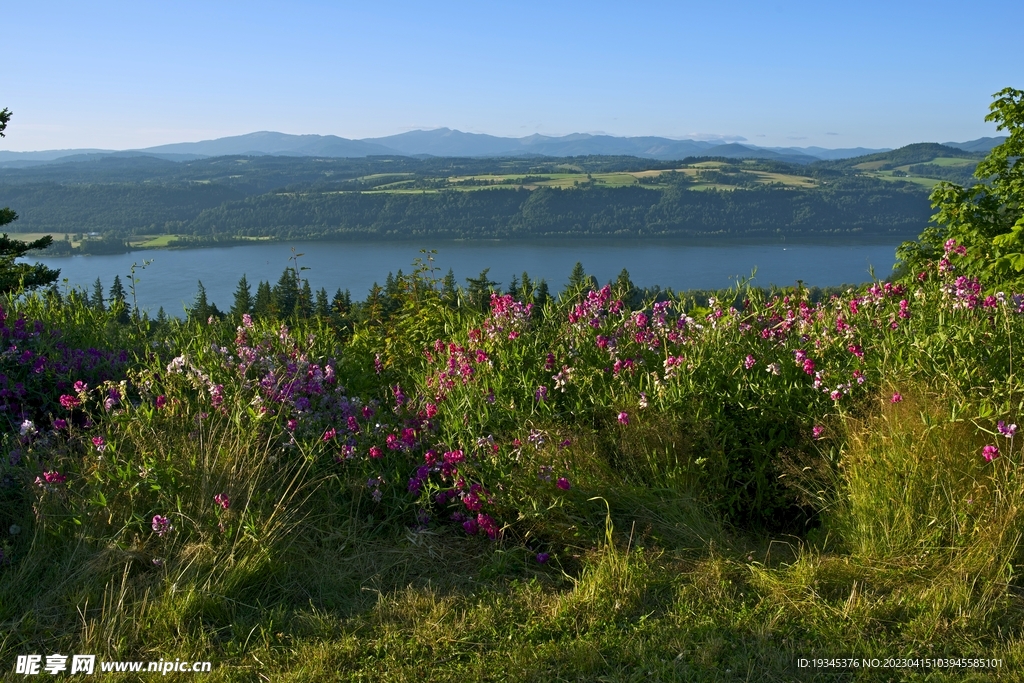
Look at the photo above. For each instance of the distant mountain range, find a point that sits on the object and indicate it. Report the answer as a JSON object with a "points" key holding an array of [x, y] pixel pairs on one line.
{"points": [[445, 142]]}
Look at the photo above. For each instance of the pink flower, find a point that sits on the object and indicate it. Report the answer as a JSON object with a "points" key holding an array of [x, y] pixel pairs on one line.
{"points": [[99, 443], [623, 418], [81, 386], [1006, 430], [990, 452], [161, 401], [291, 425], [54, 477], [817, 431], [563, 484], [835, 395], [376, 452], [161, 525], [896, 398], [222, 500], [330, 434], [70, 402], [749, 362]]}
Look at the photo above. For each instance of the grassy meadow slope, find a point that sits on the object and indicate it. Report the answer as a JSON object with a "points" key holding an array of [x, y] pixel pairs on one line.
{"points": [[668, 490]]}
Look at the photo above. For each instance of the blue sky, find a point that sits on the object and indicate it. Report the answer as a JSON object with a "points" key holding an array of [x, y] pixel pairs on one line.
{"points": [[134, 74]]}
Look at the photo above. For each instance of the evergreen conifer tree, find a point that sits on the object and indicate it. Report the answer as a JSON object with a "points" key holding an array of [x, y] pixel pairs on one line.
{"points": [[513, 287], [263, 306], [449, 288], [243, 299], [118, 300], [341, 304], [304, 304], [323, 307], [542, 295], [527, 287], [97, 296], [201, 306], [479, 292], [286, 293]]}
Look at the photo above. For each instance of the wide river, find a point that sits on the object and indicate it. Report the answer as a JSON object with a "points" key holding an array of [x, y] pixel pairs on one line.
{"points": [[170, 280]]}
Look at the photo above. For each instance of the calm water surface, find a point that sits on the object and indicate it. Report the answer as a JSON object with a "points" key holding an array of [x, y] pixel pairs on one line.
{"points": [[171, 279]]}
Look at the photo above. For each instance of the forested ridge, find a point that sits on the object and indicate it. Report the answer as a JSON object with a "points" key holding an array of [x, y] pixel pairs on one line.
{"points": [[396, 197]]}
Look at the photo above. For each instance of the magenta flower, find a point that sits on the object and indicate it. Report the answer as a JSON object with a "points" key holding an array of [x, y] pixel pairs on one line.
{"points": [[487, 525], [99, 443], [990, 452], [836, 395], [222, 500], [70, 402], [161, 401], [330, 434], [896, 398], [80, 386], [161, 525], [749, 362], [1006, 430], [470, 526], [54, 477], [817, 431], [291, 425], [376, 452], [563, 484], [60, 423], [623, 418]]}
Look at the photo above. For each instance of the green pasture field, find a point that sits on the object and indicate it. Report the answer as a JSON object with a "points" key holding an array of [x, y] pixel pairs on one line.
{"points": [[887, 175], [952, 161], [534, 181]]}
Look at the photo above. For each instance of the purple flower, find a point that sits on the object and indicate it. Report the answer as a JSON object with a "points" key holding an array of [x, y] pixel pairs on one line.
{"points": [[563, 484], [60, 423], [222, 500], [990, 452], [471, 527], [749, 362], [543, 557], [161, 525], [1006, 430], [161, 401], [540, 394], [623, 418]]}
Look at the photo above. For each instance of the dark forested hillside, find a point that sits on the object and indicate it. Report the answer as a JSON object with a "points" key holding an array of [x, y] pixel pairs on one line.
{"points": [[396, 197]]}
